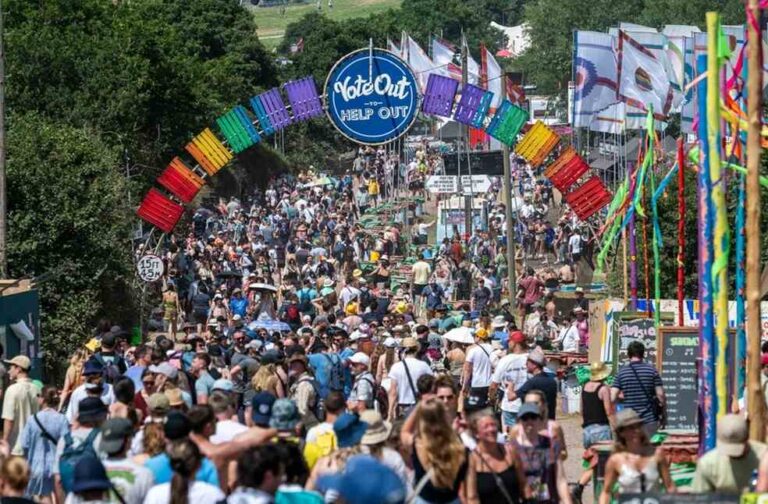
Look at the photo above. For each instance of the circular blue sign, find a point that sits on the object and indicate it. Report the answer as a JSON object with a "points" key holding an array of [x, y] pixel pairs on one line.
{"points": [[372, 96]]}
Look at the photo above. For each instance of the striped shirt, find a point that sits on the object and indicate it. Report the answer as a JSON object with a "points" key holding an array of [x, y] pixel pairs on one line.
{"points": [[637, 392]]}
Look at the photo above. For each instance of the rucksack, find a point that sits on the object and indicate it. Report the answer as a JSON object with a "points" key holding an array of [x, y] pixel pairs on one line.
{"points": [[380, 398], [72, 455], [292, 313], [335, 374], [317, 410], [305, 300], [111, 370]]}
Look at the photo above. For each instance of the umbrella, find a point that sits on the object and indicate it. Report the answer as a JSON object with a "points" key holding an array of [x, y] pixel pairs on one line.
{"points": [[505, 53], [269, 325], [461, 335], [262, 286], [229, 274]]}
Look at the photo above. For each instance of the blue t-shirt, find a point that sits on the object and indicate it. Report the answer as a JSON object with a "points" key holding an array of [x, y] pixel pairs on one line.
{"points": [[134, 373], [238, 306], [160, 465], [321, 367]]}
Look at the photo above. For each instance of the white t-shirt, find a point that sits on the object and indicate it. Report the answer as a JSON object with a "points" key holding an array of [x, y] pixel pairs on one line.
{"points": [[132, 480], [80, 393], [226, 430], [574, 243], [479, 357], [198, 492], [416, 368], [511, 370], [570, 339]]}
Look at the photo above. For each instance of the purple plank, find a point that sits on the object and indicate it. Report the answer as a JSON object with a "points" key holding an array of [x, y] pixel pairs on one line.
{"points": [[275, 108], [440, 95], [471, 97], [302, 95]]}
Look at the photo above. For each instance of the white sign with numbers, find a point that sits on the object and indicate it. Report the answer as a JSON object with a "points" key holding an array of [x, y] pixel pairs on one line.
{"points": [[150, 268]]}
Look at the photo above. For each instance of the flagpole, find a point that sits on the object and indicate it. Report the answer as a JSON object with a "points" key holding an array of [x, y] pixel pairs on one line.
{"points": [[463, 140], [755, 403]]}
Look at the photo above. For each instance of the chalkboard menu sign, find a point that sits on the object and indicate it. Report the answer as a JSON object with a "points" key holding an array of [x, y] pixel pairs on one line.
{"points": [[679, 498], [636, 326], [676, 362]]}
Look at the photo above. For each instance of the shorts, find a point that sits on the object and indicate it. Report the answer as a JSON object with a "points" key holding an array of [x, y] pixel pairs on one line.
{"points": [[417, 289], [477, 399], [596, 432], [508, 418]]}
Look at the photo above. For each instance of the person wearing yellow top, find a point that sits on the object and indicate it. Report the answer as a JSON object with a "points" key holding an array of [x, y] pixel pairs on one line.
{"points": [[373, 191], [20, 402]]}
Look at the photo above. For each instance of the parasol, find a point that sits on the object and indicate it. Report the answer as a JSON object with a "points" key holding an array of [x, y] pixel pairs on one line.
{"points": [[461, 335]]}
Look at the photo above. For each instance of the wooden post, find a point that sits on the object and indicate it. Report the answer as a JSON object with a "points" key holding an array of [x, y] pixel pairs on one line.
{"points": [[511, 267], [755, 401], [624, 260]]}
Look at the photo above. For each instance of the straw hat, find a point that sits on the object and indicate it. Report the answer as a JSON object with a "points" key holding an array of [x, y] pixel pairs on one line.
{"points": [[378, 430], [599, 371], [627, 418]]}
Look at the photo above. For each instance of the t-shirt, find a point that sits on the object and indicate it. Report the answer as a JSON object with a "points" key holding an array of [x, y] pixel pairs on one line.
{"points": [[362, 390], [19, 404], [570, 339], [416, 368], [227, 430], [198, 492], [546, 384], [132, 480], [421, 271], [160, 465], [574, 243], [716, 472], [80, 393], [204, 385], [479, 357], [481, 297], [532, 286], [636, 393], [511, 369]]}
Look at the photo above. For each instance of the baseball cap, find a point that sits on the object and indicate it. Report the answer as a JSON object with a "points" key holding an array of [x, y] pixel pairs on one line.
{"points": [[224, 385], [360, 358], [114, 432], [285, 415], [92, 367], [349, 430], [164, 368], [261, 406], [528, 409], [254, 344], [177, 426], [732, 435], [537, 357], [108, 339], [21, 361], [517, 337]]}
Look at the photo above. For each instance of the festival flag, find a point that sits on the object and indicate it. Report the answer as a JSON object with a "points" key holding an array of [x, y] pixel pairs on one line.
{"points": [[419, 63], [689, 100], [515, 92], [392, 47], [595, 75], [442, 56], [493, 78], [473, 69], [643, 80]]}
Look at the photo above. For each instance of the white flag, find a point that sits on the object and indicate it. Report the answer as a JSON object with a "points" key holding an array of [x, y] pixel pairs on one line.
{"points": [[495, 79], [392, 47], [660, 47], [442, 57], [643, 80], [595, 82], [419, 63], [473, 69]]}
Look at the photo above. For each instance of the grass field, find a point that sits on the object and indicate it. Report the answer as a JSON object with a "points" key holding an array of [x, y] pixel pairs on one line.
{"points": [[271, 24]]}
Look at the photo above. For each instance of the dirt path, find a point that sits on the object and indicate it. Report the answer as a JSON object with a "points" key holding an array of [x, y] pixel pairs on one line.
{"points": [[571, 425]]}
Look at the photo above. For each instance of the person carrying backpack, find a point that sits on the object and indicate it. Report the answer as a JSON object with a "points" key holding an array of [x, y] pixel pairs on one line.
{"points": [[77, 444], [366, 393], [113, 364], [305, 391], [327, 368], [305, 296], [94, 386]]}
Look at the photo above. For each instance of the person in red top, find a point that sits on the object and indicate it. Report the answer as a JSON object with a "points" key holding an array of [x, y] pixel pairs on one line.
{"points": [[457, 254], [529, 290]]}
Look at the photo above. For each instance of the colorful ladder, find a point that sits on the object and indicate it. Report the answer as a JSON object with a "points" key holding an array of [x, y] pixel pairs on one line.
{"points": [[238, 129], [566, 170], [209, 152], [160, 211], [302, 95], [507, 123], [537, 144], [588, 198], [439, 95], [180, 180]]}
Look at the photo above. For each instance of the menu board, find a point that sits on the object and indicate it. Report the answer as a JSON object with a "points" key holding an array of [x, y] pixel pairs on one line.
{"points": [[676, 362], [636, 326]]}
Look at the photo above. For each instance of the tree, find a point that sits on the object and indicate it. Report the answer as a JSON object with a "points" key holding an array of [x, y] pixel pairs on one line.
{"points": [[68, 218]]}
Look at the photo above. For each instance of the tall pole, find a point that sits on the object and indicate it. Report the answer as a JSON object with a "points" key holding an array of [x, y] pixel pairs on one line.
{"points": [[463, 140], [755, 403], [511, 266], [3, 201]]}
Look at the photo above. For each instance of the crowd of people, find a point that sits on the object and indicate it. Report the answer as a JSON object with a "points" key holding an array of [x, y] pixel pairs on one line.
{"points": [[289, 362]]}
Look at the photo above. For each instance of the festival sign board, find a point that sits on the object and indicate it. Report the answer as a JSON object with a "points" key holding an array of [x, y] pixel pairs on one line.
{"points": [[678, 349], [150, 268], [476, 184], [636, 326], [442, 184], [372, 96]]}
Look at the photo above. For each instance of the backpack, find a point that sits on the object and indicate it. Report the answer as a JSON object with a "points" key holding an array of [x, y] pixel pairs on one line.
{"points": [[316, 410], [292, 313], [335, 374], [111, 371], [323, 445], [380, 398], [72, 455], [305, 300]]}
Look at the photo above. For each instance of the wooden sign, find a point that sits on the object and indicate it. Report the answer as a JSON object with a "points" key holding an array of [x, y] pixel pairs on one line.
{"points": [[677, 350], [636, 326]]}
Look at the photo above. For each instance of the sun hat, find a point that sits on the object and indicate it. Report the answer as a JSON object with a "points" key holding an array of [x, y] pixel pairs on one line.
{"points": [[528, 409], [114, 432], [90, 475], [285, 415], [732, 435], [92, 345], [360, 358], [328, 282], [627, 418], [378, 430], [261, 408], [599, 371], [177, 426], [21, 361], [159, 404], [390, 342], [409, 342], [90, 410], [353, 484], [174, 396], [224, 385], [357, 273], [349, 430], [498, 322]]}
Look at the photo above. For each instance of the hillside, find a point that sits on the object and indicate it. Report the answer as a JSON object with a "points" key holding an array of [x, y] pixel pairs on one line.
{"points": [[271, 23]]}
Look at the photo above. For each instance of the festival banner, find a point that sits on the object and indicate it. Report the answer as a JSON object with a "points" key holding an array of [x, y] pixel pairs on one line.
{"points": [[643, 80], [442, 56], [419, 63], [595, 75], [494, 81]]}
